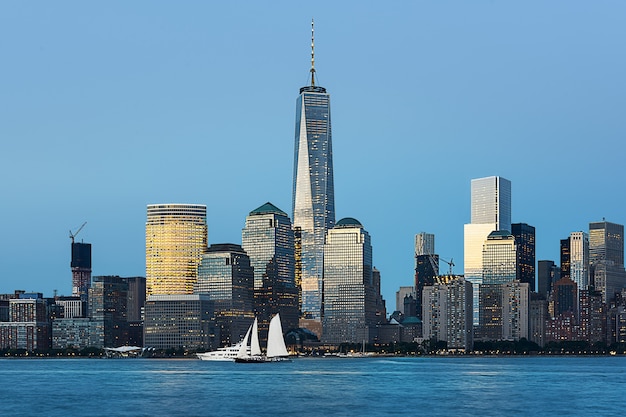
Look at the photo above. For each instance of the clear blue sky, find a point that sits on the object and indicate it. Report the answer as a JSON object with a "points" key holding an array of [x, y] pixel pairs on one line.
{"points": [[107, 107]]}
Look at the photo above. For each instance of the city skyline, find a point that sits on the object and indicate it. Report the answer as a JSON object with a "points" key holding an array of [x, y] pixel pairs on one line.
{"points": [[107, 112]]}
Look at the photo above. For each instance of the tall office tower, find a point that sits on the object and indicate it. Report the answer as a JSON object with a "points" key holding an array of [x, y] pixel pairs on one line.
{"points": [[227, 278], [447, 313], [592, 316], [381, 305], [349, 292], [176, 238], [490, 210], [426, 272], [547, 274], [579, 259], [108, 309], [606, 242], [565, 297], [606, 258], [499, 258], [499, 268], [565, 259], [81, 269], [268, 241], [424, 244], [313, 189], [525, 241], [491, 202]]}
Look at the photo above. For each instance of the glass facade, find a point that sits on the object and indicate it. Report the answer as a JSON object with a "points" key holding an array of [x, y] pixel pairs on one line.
{"points": [[579, 259], [525, 241], [313, 192], [490, 210], [499, 258], [606, 242], [176, 237], [180, 321], [349, 294], [268, 239], [491, 202], [226, 278]]}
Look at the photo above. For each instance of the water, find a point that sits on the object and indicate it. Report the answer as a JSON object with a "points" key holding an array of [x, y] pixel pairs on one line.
{"points": [[471, 386]]}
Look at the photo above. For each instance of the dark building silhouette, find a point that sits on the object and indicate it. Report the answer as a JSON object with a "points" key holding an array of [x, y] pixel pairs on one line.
{"points": [[426, 271], [547, 274], [81, 269], [525, 241]]}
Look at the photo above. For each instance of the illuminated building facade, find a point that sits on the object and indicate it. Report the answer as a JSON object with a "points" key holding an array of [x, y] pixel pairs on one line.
{"points": [[349, 291], [313, 191], [606, 258], [176, 238], [490, 211]]}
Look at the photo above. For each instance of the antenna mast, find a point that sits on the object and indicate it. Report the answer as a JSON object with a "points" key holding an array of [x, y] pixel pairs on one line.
{"points": [[312, 53]]}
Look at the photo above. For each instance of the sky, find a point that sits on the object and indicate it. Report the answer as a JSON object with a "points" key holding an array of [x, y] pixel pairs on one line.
{"points": [[108, 107]]}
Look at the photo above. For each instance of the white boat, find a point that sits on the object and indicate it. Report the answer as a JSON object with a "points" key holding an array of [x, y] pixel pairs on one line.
{"points": [[276, 349], [228, 353]]}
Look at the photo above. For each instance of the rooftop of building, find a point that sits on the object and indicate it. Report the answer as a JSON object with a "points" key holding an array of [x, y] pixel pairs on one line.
{"points": [[224, 247], [267, 208], [348, 222], [500, 234]]}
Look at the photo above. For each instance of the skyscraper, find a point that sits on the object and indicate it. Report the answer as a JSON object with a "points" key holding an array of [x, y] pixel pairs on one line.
{"points": [[176, 237], [525, 241], [313, 189], [579, 259], [226, 277], [606, 258], [490, 211], [81, 269], [424, 244], [268, 239], [349, 291]]}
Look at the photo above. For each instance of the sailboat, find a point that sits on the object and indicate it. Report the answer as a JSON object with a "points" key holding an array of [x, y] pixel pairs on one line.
{"points": [[276, 349]]}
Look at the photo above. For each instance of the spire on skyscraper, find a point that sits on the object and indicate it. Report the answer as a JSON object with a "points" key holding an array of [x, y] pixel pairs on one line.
{"points": [[312, 53]]}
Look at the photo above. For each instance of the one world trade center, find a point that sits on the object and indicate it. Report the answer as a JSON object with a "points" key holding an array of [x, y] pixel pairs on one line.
{"points": [[313, 190]]}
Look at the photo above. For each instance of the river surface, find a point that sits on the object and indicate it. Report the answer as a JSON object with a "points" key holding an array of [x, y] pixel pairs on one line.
{"points": [[421, 386]]}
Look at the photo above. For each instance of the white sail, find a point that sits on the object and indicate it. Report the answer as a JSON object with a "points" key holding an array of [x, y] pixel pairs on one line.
{"points": [[255, 347], [244, 345], [275, 341]]}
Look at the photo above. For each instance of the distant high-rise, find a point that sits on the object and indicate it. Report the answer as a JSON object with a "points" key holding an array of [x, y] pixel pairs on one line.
{"points": [[313, 189], [447, 313], [525, 241], [349, 291], [606, 258], [81, 269], [547, 274], [579, 259], [491, 202], [606, 242], [176, 237], [490, 211], [424, 244], [499, 258]]}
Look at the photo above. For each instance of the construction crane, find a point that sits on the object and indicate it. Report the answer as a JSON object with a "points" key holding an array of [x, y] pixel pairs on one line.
{"points": [[73, 235], [450, 263]]}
